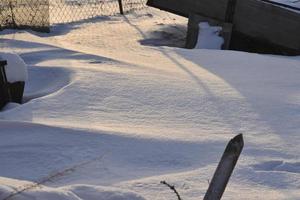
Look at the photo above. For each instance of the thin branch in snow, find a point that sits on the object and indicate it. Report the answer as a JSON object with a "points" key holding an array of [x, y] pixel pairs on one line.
{"points": [[50, 178], [172, 187]]}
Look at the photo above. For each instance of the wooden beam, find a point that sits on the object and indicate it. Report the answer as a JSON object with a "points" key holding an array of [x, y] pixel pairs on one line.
{"points": [[211, 8], [4, 92]]}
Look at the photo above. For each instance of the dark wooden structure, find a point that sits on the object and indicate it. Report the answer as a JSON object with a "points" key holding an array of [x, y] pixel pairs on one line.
{"points": [[4, 91], [9, 92], [211, 8], [257, 24]]}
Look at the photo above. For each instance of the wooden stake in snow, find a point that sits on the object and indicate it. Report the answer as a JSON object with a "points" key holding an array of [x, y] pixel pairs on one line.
{"points": [[225, 168], [4, 91]]}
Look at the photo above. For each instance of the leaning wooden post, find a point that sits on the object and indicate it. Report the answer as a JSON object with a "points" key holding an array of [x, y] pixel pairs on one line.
{"points": [[225, 168], [4, 91], [121, 7]]}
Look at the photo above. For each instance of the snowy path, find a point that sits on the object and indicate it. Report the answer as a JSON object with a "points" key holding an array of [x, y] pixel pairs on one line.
{"points": [[130, 111]]}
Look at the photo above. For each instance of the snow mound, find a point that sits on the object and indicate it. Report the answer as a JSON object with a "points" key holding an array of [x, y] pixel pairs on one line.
{"points": [[208, 37], [9, 190], [44, 81], [16, 69], [10, 106], [102, 193]]}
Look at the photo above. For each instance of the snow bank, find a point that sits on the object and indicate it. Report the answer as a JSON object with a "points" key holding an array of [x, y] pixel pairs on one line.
{"points": [[9, 188], [102, 193], [208, 37], [10, 106], [16, 69], [179, 111]]}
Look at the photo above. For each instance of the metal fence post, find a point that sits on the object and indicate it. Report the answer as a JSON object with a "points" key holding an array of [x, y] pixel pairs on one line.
{"points": [[121, 7]]}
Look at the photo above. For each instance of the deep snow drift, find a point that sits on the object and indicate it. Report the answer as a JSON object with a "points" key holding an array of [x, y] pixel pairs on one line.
{"points": [[107, 106]]}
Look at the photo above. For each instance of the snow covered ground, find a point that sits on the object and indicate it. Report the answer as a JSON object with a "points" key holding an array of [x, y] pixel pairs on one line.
{"points": [[113, 106]]}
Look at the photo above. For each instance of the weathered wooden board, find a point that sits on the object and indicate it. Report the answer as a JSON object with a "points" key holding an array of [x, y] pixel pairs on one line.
{"points": [[268, 22], [260, 22], [225, 168], [4, 94], [211, 8]]}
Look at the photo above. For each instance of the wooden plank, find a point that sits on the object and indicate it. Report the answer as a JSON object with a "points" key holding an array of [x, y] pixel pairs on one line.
{"points": [[211, 8], [268, 22], [230, 11], [4, 93], [3, 63], [225, 168]]}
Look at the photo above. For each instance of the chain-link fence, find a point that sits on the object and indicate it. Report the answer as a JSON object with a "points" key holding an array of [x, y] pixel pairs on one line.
{"points": [[63, 11], [40, 14], [24, 14]]}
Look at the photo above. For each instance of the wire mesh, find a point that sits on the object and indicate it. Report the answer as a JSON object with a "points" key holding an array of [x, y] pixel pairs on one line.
{"points": [[40, 14], [24, 14]]}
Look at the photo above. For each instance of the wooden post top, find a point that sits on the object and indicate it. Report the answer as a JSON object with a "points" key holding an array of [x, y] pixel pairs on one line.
{"points": [[3, 62]]}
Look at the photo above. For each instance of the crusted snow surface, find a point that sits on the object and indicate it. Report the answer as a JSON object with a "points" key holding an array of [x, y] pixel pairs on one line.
{"points": [[8, 188], [107, 106]]}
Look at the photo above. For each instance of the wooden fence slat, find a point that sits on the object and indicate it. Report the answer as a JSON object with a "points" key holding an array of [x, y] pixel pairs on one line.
{"points": [[210, 8], [271, 23], [4, 92]]}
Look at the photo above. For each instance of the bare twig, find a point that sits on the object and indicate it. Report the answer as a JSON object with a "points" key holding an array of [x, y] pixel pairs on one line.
{"points": [[49, 178], [172, 187]]}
